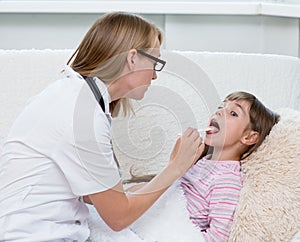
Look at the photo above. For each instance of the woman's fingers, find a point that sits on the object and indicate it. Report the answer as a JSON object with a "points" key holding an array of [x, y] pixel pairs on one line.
{"points": [[187, 149], [192, 133]]}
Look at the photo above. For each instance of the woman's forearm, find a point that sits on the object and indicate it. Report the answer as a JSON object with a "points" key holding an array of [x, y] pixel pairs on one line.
{"points": [[119, 210]]}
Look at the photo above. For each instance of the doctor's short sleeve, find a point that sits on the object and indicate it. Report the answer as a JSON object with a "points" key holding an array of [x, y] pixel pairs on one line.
{"points": [[85, 154]]}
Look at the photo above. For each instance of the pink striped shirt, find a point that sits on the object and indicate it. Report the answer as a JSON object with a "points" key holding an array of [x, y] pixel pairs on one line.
{"points": [[212, 191]]}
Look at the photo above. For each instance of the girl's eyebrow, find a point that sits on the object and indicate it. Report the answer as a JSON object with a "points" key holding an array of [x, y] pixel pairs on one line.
{"points": [[240, 107]]}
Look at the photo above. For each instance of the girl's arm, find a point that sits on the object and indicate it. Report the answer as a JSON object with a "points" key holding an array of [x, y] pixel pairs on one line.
{"points": [[119, 210]]}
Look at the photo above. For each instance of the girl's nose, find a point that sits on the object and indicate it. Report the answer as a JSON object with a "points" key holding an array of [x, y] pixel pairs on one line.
{"points": [[219, 111]]}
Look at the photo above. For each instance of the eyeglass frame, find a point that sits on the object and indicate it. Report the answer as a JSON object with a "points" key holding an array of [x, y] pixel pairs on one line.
{"points": [[153, 58]]}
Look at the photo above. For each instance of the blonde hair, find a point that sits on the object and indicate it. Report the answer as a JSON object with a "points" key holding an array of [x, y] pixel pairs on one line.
{"points": [[102, 52]]}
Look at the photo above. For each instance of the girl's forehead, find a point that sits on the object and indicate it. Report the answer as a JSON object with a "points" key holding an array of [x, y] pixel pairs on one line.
{"points": [[236, 102], [242, 104]]}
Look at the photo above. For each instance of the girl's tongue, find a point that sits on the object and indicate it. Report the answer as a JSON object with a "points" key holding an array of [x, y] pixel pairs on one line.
{"points": [[212, 130]]}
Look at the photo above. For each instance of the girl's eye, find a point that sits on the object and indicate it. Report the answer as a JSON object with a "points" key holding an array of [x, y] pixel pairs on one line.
{"points": [[232, 113]]}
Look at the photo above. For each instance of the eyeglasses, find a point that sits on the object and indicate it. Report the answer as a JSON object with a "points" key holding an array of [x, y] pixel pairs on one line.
{"points": [[158, 65]]}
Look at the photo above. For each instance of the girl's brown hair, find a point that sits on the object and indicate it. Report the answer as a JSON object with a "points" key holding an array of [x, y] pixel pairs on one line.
{"points": [[102, 52]]}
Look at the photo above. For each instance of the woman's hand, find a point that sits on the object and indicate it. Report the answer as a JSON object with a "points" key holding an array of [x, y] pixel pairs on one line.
{"points": [[187, 150]]}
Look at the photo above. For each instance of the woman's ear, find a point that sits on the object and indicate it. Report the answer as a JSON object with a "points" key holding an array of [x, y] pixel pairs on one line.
{"points": [[131, 59], [251, 137]]}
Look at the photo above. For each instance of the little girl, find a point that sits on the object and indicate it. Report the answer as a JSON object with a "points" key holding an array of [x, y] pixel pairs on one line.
{"points": [[210, 188], [213, 184]]}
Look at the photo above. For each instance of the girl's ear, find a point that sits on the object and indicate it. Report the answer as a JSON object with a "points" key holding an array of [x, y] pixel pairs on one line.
{"points": [[250, 138], [131, 58]]}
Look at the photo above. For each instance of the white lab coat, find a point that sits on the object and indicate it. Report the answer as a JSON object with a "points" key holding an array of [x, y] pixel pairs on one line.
{"points": [[59, 149]]}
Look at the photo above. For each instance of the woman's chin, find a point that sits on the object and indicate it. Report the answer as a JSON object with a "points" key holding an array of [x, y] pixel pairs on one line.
{"points": [[138, 95]]}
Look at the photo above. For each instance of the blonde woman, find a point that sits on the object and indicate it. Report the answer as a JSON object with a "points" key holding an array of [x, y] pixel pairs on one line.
{"points": [[58, 153]]}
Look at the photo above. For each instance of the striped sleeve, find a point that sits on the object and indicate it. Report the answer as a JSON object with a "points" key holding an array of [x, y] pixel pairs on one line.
{"points": [[224, 195]]}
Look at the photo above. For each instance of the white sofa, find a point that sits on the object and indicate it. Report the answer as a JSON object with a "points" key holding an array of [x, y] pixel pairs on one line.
{"points": [[185, 94]]}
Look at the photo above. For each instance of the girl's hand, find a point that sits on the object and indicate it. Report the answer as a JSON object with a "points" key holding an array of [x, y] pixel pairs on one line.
{"points": [[187, 150]]}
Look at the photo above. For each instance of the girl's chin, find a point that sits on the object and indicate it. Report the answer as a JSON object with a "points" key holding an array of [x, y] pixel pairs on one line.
{"points": [[207, 142], [211, 140]]}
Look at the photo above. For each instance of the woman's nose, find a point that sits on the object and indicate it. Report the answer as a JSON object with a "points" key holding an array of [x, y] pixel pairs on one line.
{"points": [[154, 76]]}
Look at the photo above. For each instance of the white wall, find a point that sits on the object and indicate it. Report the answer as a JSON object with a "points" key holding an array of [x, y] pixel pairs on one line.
{"points": [[42, 31], [232, 27], [256, 34]]}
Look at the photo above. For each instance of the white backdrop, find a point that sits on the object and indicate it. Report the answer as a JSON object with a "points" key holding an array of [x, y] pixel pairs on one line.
{"points": [[239, 26]]}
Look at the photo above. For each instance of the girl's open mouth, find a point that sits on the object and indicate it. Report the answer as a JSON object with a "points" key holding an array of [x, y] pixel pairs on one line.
{"points": [[213, 127]]}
